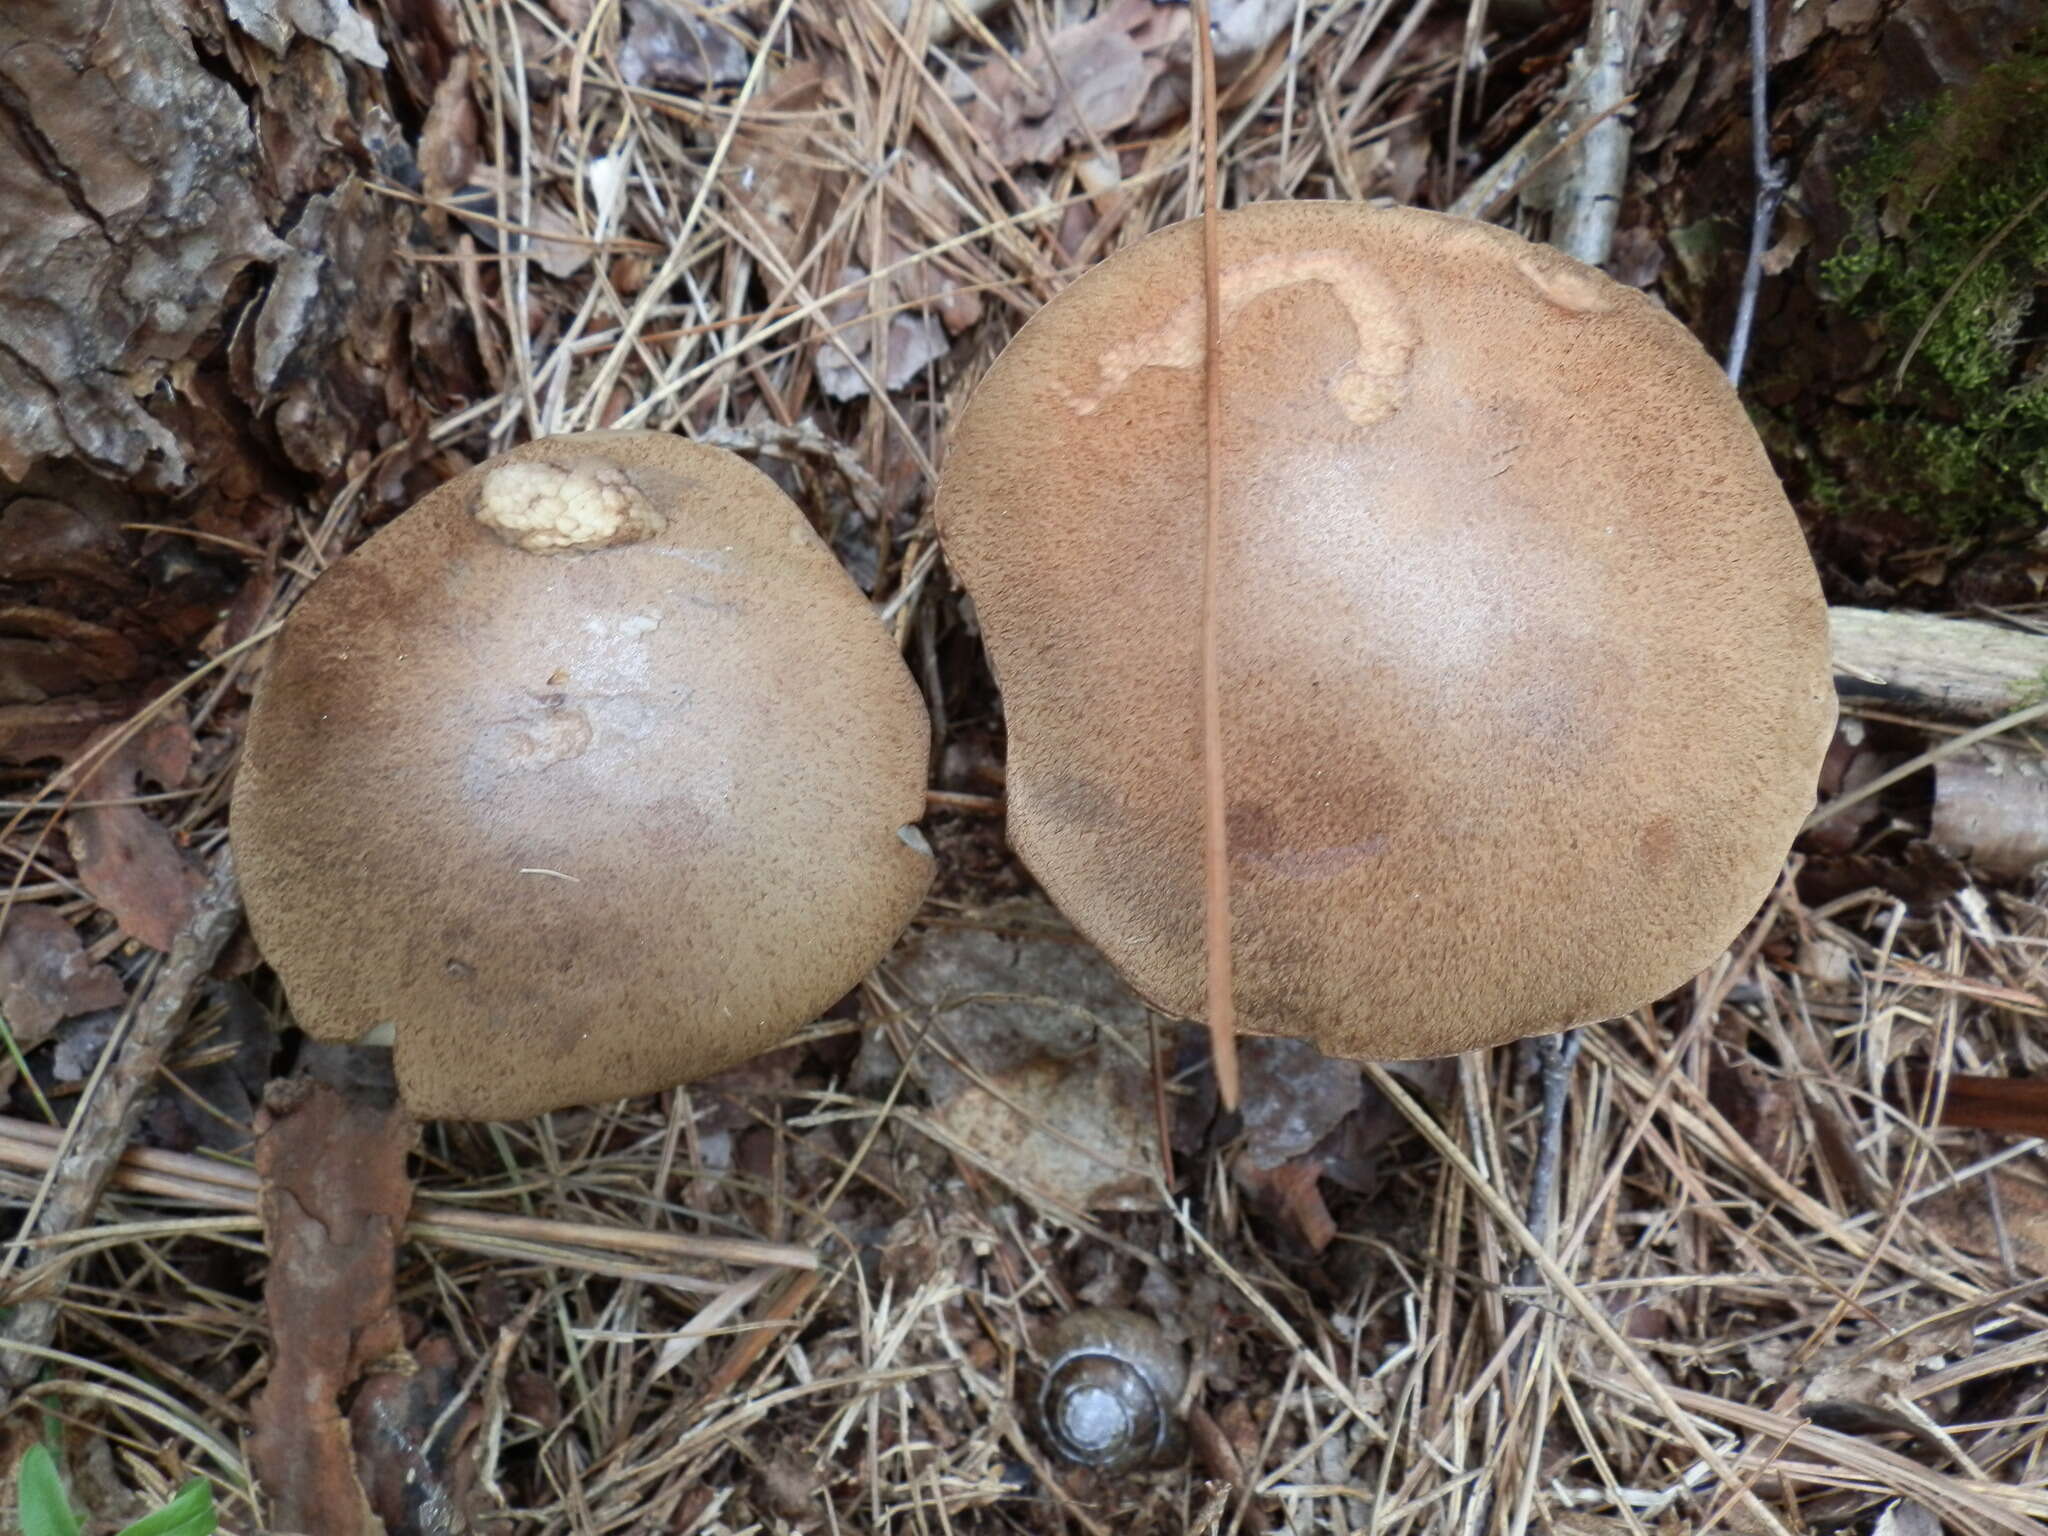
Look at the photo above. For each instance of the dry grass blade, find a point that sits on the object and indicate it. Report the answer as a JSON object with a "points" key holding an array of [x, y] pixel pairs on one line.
{"points": [[1602, 1327], [206, 1181], [1948, 748]]}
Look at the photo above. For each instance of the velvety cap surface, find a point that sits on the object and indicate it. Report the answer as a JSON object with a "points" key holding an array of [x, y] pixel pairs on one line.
{"points": [[1525, 664], [587, 774]]}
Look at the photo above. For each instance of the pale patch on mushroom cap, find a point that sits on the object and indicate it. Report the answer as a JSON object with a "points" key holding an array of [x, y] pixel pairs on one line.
{"points": [[1525, 663], [546, 508], [589, 823]]}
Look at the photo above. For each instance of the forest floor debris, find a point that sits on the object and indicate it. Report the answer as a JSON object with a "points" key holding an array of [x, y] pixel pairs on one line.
{"points": [[1783, 1283]]}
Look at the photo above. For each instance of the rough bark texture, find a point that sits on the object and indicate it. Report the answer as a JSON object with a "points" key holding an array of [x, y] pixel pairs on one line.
{"points": [[208, 318], [335, 1198], [129, 178], [169, 176]]}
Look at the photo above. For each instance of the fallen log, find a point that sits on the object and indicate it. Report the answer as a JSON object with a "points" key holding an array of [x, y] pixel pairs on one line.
{"points": [[1924, 665]]}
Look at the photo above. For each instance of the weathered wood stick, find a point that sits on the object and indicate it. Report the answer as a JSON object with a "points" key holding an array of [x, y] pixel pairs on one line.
{"points": [[107, 1120], [1918, 664]]}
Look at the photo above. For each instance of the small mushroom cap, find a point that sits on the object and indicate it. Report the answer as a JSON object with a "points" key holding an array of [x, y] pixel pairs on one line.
{"points": [[590, 774], [1524, 662]]}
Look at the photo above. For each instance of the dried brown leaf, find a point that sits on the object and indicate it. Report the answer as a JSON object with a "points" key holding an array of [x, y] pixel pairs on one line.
{"points": [[1294, 1096], [46, 653], [845, 364], [44, 540], [126, 858], [1858, 1385], [1084, 81], [1757, 1105], [34, 732], [448, 148], [783, 184], [485, 213], [1293, 1192], [46, 976], [1037, 1061], [1995, 1215], [673, 43]]}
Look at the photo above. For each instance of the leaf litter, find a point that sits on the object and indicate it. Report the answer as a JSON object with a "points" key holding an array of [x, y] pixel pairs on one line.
{"points": [[503, 233]]}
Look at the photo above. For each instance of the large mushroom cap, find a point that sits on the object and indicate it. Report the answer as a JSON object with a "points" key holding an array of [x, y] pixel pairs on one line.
{"points": [[1525, 665], [591, 774]]}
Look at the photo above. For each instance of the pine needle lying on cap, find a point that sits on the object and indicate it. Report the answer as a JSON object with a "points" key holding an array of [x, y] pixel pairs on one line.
{"points": [[1215, 827]]}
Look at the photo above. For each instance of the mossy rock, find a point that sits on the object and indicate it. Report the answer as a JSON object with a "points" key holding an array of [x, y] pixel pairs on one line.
{"points": [[1947, 256]]}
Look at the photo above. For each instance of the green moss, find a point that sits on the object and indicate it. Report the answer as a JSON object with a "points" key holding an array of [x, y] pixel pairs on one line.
{"points": [[2033, 691], [1948, 257]]}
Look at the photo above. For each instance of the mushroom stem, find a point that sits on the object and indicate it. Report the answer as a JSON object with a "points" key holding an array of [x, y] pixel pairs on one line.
{"points": [[1215, 823]]}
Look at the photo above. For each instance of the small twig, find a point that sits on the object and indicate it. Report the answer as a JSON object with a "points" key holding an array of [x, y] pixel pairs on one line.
{"points": [[1927, 759], [804, 440], [773, 1323], [1770, 185], [1555, 1055], [1484, 197], [1923, 665], [1591, 206], [962, 804], [1497, 197], [105, 1120]]}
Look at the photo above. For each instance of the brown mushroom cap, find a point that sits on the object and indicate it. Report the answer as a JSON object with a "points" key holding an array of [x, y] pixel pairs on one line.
{"points": [[1525, 665], [590, 822]]}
